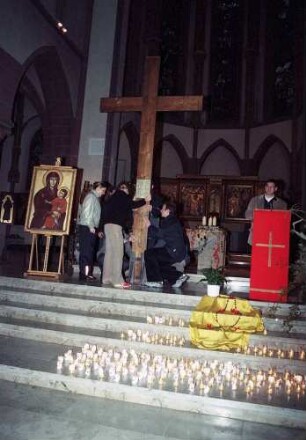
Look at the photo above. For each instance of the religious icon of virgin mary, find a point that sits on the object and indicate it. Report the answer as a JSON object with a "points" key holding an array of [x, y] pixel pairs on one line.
{"points": [[44, 197]]}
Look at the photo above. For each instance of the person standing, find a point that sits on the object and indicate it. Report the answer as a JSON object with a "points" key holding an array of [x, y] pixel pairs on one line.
{"points": [[117, 215], [88, 226], [268, 200]]}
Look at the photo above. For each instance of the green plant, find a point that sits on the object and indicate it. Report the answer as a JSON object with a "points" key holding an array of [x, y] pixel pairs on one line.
{"points": [[294, 314], [214, 276], [297, 284]]}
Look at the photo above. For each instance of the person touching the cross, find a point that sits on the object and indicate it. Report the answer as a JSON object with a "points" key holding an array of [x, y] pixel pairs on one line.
{"points": [[268, 200], [117, 214]]}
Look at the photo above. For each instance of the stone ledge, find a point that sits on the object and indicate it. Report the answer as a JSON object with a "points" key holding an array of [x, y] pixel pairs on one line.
{"points": [[95, 307], [79, 340], [163, 399]]}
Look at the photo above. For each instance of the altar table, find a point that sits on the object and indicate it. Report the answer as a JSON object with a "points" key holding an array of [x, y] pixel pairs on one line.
{"points": [[210, 243]]}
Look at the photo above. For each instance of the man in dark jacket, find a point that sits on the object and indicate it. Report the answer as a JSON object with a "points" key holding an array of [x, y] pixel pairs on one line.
{"points": [[117, 215], [268, 200], [160, 261]]}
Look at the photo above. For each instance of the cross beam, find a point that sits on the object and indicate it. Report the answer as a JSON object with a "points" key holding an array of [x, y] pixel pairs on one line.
{"points": [[270, 246], [148, 104]]}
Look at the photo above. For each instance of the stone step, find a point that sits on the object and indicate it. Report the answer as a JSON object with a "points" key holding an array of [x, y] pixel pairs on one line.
{"points": [[72, 337], [90, 329], [142, 297], [57, 316], [200, 404], [123, 311], [240, 259], [118, 325], [37, 366], [237, 265], [42, 414]]}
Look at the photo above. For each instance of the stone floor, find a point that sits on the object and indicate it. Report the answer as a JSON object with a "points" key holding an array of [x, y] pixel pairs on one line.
{"points": [[31, 413], [39, 414]]}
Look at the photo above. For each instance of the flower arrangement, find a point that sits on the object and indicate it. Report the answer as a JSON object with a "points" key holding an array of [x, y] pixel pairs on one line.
{"points": [[214, 276]]}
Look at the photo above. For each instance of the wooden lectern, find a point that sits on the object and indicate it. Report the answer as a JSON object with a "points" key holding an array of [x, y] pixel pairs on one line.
{"points": [[270, 255]]}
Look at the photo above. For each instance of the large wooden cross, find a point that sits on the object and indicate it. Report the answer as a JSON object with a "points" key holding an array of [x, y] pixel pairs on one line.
{"points": [[148, 104]]}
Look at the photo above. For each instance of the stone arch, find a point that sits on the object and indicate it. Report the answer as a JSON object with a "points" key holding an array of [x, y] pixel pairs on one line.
{"points": [[57, 114], [132, 135], [10, 74], [220, 143], [178, 148], [265, 146], [28, 89], [273, 149]]}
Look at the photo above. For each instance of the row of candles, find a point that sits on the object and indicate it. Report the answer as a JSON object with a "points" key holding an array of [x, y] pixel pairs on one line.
{"points": [[166, 320], [153, 338], [210, 221], [186, 375], [260, 350], [280, 353], [175, 321], [179, 341]]}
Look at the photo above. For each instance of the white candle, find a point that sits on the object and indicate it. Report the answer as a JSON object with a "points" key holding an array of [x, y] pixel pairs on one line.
{"points": [[204, 221], [210, 221], [214, 221]]}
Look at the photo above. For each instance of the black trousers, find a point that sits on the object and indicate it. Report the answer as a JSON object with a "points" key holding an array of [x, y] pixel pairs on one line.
{"points": [[87, 242], [159, 265]]}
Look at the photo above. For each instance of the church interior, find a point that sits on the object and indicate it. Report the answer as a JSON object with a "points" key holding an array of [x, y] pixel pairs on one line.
{"points": [[228, 114]]}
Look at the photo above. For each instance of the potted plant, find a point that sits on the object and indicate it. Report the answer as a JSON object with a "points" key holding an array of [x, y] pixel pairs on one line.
{"points": [[215, 279]]}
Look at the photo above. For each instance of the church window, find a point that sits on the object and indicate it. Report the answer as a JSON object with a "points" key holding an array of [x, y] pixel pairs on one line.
{"points": [[171, 50], [225, 68], [279, 56]]}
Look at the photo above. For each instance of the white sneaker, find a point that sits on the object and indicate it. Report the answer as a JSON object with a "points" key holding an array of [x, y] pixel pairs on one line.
{"points": [[157, 284], [180, 281]]}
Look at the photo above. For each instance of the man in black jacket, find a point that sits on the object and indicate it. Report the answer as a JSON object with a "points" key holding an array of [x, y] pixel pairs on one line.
{"points": [[117, 215], [160, 261]]}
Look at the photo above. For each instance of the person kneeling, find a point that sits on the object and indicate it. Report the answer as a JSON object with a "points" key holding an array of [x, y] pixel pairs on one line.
{"points": [[160, 261]]}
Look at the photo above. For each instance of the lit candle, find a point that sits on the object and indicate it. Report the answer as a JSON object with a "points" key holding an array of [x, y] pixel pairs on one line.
{"points": [[71, 368], [59, 367]]}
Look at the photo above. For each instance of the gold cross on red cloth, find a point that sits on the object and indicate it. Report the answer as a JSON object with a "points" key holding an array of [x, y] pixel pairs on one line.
{"points": [[270, 246]]}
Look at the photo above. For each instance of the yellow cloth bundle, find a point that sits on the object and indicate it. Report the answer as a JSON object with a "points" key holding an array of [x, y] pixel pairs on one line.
{"points": [[224, 323]]}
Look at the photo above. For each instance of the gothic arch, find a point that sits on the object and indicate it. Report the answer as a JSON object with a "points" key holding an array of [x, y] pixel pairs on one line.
{"points": [[57, 117], [219, 143], [265, 147], [10, 74], [273, 150], [28, 89], [179, 149], [132, 135]]}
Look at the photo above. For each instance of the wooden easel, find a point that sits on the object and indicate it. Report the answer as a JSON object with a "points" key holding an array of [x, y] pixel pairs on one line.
{"points": [[35, 255]]}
